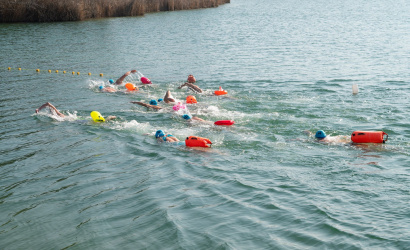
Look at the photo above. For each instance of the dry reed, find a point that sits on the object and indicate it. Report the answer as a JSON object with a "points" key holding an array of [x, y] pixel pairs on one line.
{"points": [[76, 10]]}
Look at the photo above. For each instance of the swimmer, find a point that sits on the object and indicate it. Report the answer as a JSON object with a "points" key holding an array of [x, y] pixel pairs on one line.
{"points": [[162, 137], [194, 118], [121, 79], [107, 89], [322, 137], [168, 98], [51, 106], [153, 104]]}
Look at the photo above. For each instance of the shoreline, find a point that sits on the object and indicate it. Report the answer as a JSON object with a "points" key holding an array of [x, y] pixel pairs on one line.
{"points": [[12, 11]]}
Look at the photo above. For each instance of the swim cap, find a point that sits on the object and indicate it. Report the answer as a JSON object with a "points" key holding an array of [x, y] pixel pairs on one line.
{"points": [[111, 81], [159, 134], [160, 100], [101, 87], [153, 102], [320, 134], [186, 117]]}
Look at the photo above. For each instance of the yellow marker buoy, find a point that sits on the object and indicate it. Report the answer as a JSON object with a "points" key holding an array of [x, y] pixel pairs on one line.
{"points": [[73, 73], [101, 74], [49, 71], [89, 73], [64, 72], [37, 70], [78, 73], [9, 68], [19, 68], [97, 117], [56, 71]]}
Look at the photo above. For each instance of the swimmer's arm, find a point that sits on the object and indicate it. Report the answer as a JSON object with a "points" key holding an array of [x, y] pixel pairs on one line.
{"points": [[194, 87], [308, 133], [200, 119], [111, 117], [119, 80], [47, 104], [147, 105], [183, 85]]}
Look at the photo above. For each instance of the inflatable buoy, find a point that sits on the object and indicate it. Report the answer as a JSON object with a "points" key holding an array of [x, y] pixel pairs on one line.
{"points": [[195, 141], [145, 80], [97, 117], [225, 122], [221, 91], [369, 137], [130, 86], [355, 89], [191, 99]]}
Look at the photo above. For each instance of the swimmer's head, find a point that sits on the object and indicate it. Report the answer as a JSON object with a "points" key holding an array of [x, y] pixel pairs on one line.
{"points": [[159, 134], [186, 117], [191, 79], [320, 134], [111, 81], [153, 102], [160, 100], [101, 87]]}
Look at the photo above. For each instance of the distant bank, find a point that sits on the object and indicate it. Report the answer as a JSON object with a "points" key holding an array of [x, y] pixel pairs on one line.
{"points": [[77, 10]]}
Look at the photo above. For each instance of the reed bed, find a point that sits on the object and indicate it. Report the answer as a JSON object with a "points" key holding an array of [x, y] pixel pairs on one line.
{"points": [[77, 10]]}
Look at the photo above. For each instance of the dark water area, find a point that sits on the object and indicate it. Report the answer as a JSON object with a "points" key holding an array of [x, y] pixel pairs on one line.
{"points": [[288, 67]]}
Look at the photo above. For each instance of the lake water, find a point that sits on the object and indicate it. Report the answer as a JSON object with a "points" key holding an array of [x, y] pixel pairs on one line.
{"points": [[288, 67]]}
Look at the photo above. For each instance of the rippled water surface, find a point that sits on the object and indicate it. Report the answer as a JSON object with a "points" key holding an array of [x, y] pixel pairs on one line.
{"points": [[288, 67]]}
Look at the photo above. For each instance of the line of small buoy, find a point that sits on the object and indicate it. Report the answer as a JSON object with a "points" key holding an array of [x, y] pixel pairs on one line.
{"points": [[67, 72], [50, 71]]}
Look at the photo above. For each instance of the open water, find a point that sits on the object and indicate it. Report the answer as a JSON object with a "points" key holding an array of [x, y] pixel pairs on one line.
{"points": [[288, 67]]}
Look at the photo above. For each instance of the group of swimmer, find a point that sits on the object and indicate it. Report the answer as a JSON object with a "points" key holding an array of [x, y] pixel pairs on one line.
{"points": [[320, 135], [160, 135]]}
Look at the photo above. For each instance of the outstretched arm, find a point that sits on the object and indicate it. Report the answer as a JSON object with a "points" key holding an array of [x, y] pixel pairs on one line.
{"points": [[192, 87], [121, 79], [199, 119], [147, 105], [111, 117], [183, 85], [51, 106]]}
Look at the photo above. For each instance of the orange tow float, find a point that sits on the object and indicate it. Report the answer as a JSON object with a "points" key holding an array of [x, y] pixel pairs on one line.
{"points": [[191, 99], [369, 137], [130, 86], [196, 141], [221, 91]]}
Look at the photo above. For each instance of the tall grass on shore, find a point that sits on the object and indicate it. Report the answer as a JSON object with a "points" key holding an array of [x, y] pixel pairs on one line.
{"points": [[76, 10]]}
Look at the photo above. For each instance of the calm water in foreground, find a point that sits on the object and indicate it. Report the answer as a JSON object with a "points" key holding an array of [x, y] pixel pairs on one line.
{"points": [[288, 66]]}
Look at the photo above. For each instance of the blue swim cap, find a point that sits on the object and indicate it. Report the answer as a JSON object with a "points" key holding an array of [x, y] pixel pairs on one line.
{"points": [[186, 117], [101, 87], [159, 134], [320, 134], [153, 102], [111, 81], [160, 100]]}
